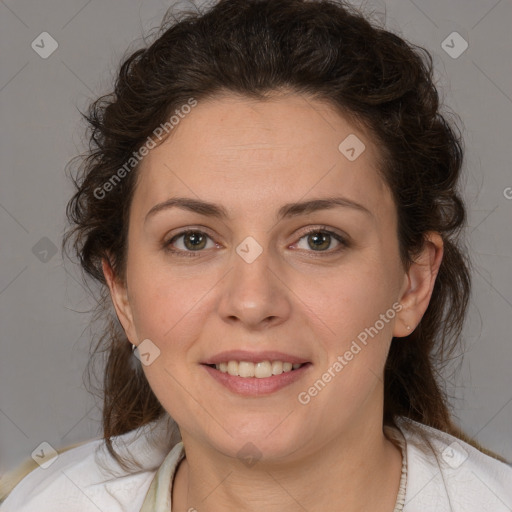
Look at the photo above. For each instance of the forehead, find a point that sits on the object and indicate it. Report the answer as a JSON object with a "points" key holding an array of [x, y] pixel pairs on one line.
{"points": [[240, 152]]}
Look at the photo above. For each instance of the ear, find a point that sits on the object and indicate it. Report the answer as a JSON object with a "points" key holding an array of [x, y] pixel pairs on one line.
{"points": [[419, 284], [120, 299]]}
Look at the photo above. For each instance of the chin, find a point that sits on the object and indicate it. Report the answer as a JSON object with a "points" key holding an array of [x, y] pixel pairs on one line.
{"points": [[268, 439]]}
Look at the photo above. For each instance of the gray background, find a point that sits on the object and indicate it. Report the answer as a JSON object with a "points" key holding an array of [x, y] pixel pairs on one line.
{"points": [[44, 338]]}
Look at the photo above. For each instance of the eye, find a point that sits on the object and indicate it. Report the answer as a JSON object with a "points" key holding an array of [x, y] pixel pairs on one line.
{"points": [[193, 241], [320, 239]]}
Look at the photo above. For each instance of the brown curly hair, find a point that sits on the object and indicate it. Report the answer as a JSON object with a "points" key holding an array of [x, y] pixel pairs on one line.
{"points": [[327, 50]]}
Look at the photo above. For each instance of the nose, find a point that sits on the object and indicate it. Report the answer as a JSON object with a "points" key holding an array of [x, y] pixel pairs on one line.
{"points": [[255, 292]]}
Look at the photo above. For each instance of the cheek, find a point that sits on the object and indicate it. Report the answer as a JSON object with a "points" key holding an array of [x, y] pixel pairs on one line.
{"points": [[171, 312], [169, 306], [349, 298], [357, 312]]}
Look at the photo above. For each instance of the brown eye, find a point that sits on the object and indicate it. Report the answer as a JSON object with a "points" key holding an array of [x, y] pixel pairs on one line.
{"points": [[192, 241], [321, 240]]}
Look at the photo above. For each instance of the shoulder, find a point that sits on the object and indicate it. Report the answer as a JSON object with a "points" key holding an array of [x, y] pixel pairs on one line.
{"points": [[447, 474], [86, 477]]}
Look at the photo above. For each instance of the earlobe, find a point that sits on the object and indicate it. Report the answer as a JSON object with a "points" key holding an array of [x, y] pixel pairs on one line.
{"points": [[419, 284], [119, 297]]}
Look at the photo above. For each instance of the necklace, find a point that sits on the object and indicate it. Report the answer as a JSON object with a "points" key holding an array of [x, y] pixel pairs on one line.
{"points": [[399, 438]]}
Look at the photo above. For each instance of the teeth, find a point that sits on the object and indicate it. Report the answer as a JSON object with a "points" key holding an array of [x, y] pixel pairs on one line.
{"points": [[245, 369], [263, 369], [232, 368], [277, 367], [259, 370]]}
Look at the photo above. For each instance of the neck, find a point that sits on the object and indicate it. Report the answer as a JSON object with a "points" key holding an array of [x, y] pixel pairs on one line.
{"points": [[359, 470]]}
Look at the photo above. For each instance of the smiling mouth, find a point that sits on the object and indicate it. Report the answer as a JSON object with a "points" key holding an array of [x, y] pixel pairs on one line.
{"points": [[260, 370]]}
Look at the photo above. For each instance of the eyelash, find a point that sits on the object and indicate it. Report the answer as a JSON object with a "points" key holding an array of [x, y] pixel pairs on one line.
{"points": [[194, 254]]}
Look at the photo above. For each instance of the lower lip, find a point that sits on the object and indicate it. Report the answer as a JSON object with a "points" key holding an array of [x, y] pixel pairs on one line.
{"points": [[252, 386]]}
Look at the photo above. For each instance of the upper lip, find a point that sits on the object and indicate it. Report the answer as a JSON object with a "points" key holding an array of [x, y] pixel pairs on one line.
{"points": [[254, 357]]}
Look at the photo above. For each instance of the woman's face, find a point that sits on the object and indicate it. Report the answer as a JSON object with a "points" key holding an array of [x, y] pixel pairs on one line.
{"points": [[252, 281]]}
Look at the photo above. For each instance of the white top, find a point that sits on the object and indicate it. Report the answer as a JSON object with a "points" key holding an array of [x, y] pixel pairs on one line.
{"points": [[444, 474]]}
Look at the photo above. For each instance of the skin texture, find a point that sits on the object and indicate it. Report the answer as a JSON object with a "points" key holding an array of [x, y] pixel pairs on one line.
{"points": [[252, 157]]}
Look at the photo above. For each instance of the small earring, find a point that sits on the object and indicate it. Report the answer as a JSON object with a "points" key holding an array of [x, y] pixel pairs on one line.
{"points": [[133, 347], [408, 327]]}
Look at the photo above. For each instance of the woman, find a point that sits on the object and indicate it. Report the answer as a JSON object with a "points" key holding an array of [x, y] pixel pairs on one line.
{"points": [[271, 207]]}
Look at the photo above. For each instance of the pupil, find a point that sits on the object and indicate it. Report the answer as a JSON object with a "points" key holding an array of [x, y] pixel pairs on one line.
{"points": [[320, 237], [195, 239]]}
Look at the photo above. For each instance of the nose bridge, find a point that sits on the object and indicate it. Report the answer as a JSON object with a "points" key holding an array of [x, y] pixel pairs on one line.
{"points": [[254, 293]]}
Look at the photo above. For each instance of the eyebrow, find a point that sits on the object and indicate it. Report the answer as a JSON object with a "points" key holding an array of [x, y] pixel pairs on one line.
{"points": [[288, 210]]}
